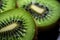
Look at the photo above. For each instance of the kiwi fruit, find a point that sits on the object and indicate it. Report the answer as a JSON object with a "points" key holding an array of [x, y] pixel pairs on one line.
{"points": [[44, 12], [6, 5], [16, 24]]}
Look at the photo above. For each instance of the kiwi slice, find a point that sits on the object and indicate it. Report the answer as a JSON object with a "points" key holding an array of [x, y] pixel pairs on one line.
{"points": [[44, 12], [16, 24], [6, 5]]}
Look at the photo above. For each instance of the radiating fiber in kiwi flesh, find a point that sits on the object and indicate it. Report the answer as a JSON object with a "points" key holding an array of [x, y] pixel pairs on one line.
{"points": [[6, 5], [47, 18], [16, 24]]}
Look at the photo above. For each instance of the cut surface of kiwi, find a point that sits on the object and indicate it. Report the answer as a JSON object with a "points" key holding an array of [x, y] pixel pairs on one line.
{"points": [[44, 12], [16, 24], [6, 5]]}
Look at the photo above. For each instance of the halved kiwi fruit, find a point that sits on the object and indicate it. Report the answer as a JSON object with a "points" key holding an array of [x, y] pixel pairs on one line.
{"points": [[44, 12], [6, 5], [16, 24]]}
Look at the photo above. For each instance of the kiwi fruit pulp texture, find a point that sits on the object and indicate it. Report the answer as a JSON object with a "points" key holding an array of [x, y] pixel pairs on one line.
{"points": [[16, 24], [48, 17], [6, 5]]}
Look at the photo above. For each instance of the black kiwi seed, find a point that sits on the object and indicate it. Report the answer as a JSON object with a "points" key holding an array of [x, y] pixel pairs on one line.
{"points": [[15, 31], [44, 12], [37, 16], [6, 5], [2, 5], [16, 25]]}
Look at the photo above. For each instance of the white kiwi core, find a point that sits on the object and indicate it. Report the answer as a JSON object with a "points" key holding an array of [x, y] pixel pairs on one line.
{"points": [[37, 9], [9, 27]]}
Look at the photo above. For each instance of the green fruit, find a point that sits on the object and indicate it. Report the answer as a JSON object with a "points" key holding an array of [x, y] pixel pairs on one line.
{"points": [[44, 12], [16, 24], [59, 8], [6, 5]]}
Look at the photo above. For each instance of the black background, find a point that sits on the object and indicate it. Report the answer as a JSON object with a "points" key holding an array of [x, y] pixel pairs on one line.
{"points": [[58, 0]]}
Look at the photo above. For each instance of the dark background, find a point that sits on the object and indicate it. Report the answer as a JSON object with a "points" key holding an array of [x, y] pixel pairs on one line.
{"points": [[58, 0], [50, 34]]}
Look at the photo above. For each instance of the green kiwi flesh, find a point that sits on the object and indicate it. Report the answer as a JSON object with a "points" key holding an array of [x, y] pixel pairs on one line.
{"points": [[59, 6], [6, 5], [52, 10], [24, 25]]}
